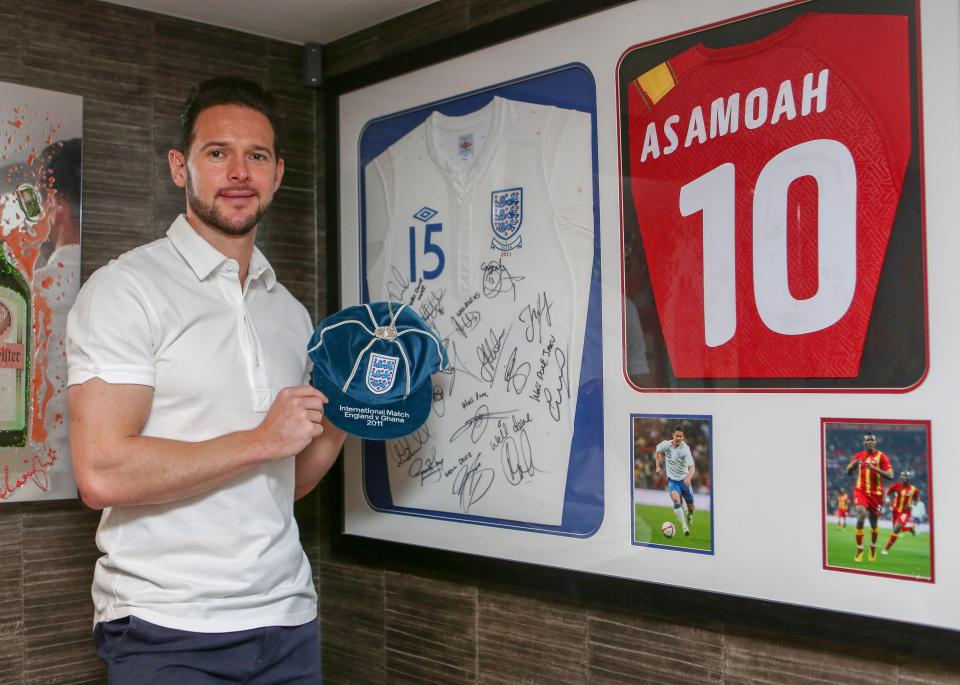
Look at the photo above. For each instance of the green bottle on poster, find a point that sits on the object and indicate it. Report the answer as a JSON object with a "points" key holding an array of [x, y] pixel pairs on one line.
{"points": [[16, 335]]}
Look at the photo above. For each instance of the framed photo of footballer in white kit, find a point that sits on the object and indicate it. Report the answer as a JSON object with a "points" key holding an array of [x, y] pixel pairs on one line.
{"points": [[878, 498], [772, 202], [671, 462]]}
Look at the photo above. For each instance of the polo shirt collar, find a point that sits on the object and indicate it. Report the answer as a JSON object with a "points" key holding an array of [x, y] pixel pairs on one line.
{"points": [[204, 258], [260, 268]]}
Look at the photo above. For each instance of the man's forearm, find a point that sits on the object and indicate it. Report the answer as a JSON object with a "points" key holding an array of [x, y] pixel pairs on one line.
{"points": [[144, 470], [116, 465]]}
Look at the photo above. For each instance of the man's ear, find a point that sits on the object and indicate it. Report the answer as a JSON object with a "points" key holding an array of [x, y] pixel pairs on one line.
{"points": [[178, 168], [276, 183]]}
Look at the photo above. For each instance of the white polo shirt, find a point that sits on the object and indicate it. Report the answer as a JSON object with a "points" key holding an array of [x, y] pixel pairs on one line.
{"points": [[678, 459], [172, 315]]}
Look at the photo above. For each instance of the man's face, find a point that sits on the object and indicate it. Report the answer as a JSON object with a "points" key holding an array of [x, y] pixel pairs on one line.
{"points": [[231, 170], [869, 443], [677, 438], [905, 477]]}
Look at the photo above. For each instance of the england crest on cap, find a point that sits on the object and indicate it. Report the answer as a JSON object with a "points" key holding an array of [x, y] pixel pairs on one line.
{"points": [[374, 362]]}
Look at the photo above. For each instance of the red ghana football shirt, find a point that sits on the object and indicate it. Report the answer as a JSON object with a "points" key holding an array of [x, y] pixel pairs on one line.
{"points": [[869, 481], [816, 306], [903, 497]]}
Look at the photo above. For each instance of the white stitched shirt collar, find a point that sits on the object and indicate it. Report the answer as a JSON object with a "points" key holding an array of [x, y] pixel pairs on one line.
{"points": [[204, 258]]}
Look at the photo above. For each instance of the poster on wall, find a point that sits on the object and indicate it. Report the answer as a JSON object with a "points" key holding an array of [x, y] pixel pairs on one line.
{"points": [[767, 347], [40, 180], [478, 211]]}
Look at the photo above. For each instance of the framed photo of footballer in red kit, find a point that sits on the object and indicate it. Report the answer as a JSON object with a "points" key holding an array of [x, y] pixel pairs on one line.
{"points": [[878, 498], [772, 214]]}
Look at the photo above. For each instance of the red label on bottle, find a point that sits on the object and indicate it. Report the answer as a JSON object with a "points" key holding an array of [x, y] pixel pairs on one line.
{"points": [[11, 356]]}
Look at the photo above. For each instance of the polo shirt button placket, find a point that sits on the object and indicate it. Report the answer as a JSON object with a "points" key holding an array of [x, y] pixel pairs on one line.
{"points": [[256, 369]]}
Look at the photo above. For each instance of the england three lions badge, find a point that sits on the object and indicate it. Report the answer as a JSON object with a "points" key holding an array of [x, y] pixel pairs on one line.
{"points": [[506, 218], [381, 373]]}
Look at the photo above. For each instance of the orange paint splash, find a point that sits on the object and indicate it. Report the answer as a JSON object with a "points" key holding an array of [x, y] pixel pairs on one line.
{"points": [[43, 388], [24, 246]]}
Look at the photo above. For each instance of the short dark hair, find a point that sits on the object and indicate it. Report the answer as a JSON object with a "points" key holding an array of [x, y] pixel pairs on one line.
{"points": [[228, 90], [678, 429], [61, 171]]}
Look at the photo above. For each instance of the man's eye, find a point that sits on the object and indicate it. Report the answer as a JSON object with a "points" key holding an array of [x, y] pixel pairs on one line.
{"points": [[258, 156], [216, 154]]}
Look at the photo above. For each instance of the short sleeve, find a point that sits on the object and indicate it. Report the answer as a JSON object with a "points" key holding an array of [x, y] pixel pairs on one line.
{"points": [[308, 328], [377, 181], [570, 160], [111, 331]]}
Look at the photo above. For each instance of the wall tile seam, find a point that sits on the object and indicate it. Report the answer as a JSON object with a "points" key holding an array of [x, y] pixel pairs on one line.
{"points": [[801, 659], [694, 643], [664, 660], [587, 641]]}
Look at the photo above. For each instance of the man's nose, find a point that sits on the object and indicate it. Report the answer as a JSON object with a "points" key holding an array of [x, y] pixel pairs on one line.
{"points": [[238, 170]]}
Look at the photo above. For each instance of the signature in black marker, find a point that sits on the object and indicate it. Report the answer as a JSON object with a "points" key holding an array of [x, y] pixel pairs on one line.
{"points": [[406, 448], [488, 353], [472, 482], [454, 365], [516, 458], [429, 469], [438, 401], [477, 424], [561, 390], [497, 280], [432, 307], [516, 375], [535, 316], [397, 285]]}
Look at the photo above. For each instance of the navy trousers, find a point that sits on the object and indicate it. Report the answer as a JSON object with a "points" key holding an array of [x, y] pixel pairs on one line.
{"points": [[140, 653]]}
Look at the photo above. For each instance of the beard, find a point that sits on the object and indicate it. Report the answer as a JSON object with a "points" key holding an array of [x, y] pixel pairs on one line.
{"points": [[213, 217]]}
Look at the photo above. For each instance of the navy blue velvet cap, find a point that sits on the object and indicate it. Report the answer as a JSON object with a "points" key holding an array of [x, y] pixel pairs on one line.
{"points": [[373, 362]]}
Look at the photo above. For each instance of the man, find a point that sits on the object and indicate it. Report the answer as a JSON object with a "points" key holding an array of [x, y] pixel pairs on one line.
{"points": [[61, 176], [57, 281], [903, 496], [186, 368], [919, 512], [872, 467], [843, 506], [680, 470]]}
